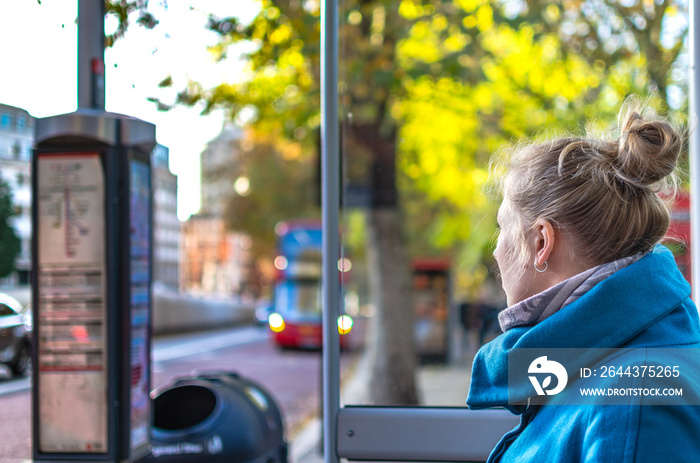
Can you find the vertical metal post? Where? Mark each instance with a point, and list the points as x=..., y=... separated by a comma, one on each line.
x=91, y=44
x=330, y=203
x=694, y=17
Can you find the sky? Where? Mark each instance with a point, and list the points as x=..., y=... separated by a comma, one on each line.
x=38, y=71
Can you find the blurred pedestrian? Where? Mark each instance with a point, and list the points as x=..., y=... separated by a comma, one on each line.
x=581, y=265
x=489, y=322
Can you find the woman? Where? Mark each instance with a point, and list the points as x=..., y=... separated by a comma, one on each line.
x=581, y=266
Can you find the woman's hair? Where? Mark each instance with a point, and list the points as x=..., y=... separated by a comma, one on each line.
x=601, y=191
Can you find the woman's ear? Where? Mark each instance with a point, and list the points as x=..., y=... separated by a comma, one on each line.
x=544, y=241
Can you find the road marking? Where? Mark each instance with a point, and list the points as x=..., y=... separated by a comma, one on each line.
x=15, y=385
x=171, y=349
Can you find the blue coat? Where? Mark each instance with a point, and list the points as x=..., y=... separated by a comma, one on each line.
x=642, y=306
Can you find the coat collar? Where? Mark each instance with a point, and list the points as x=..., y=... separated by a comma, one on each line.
x=608, y=316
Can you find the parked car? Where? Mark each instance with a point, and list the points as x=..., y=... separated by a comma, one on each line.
x=263, y=309
x=15, y=336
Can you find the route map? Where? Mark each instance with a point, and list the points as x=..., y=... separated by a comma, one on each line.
x=66, y=198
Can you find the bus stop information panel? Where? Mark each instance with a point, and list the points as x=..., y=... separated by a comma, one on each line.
x=72, y=351
x=92, y=242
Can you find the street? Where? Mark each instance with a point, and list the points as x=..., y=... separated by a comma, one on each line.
x=292, y=377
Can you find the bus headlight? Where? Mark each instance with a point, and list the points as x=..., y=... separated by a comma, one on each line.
x=344, y=324
x=276, y=322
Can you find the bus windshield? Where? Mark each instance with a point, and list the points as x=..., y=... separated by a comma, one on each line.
x=299, y=297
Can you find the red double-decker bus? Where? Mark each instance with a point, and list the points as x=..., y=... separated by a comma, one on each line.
x=296, y=319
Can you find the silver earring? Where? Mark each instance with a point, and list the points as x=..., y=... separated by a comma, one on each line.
x=546, y=265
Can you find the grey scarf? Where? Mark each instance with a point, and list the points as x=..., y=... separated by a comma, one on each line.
x=536, y=308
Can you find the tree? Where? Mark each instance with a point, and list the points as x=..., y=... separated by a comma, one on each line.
x=124, y=11
x=432, y=88
x=399, y=57
x=611, y=32
x=284, y=92
x=271, y=184
x=10, y=244
x=530, y=65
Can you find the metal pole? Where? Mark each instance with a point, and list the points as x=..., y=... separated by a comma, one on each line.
x=330, y=203
x=91, y=44
x=694, y=18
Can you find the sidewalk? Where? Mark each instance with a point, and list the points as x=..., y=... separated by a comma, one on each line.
x=438, y=385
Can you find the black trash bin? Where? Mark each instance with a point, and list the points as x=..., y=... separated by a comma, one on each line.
x=216, y=417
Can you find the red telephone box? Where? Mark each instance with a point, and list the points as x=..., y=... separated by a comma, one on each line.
x=678, y=236
x=431, y=293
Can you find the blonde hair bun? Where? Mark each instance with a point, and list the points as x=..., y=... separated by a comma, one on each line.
x=602, y=190
x=648, y=149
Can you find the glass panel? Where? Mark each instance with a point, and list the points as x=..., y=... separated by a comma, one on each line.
x=430, y=91
x=405, y=239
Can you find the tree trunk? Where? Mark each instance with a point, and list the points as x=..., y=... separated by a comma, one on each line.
x=391, y=343
x=390, y=347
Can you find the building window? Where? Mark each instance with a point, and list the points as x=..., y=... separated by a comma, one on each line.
x=21, y=124
x=20, y=179
x=5, y=121
x=16, y=150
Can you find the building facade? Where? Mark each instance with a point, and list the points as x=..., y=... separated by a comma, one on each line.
x=16, y=142
x=215, y=261
x=166, y=226
x=219, y=164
